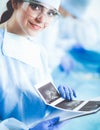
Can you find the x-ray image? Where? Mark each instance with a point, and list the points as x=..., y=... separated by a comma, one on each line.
x=49, y=92
x=50, y=95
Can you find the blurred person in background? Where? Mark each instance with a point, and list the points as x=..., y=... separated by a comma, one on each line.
x=75, y=28
x=80, y=65
x=82, y=31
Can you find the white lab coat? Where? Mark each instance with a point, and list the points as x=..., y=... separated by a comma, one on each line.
x=23, y=64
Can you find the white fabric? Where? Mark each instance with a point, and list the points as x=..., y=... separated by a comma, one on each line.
x=18, y=76
x=29, y=55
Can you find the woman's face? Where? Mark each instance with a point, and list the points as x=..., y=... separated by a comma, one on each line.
x=33, y=17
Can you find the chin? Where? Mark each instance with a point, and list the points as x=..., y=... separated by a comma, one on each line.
x=32, y=33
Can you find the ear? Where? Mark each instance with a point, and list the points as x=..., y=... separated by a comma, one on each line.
x=14, y=4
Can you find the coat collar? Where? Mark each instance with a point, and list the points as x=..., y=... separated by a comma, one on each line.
x=21, y=49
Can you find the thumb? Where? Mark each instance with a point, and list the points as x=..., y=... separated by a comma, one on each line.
x=53, y=121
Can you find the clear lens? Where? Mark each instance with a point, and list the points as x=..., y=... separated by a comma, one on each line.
x=38, y=8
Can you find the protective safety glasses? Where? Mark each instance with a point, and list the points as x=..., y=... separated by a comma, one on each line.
x=39, y=8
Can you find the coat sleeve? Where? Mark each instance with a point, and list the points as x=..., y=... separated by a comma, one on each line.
x=12, y=124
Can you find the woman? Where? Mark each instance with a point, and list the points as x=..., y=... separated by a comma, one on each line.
x=23, y=63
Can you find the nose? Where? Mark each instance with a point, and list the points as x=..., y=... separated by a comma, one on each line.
x=41, y=18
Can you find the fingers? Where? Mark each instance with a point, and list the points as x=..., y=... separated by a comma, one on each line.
x=66, y=92
x=46, y=125
x=62, y=91
x=74, y=93
x=53, y=121
x=70, y=93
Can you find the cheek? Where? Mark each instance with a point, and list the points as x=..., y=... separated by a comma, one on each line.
x=19, y=16
x=22, y=14
x=23, y=19
x=46, y=25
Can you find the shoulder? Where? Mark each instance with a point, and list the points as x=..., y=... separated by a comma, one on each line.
x=1, y=30
x=2, y=26
x=1, y=35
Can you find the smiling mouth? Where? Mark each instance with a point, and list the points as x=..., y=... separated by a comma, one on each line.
x=34, y=26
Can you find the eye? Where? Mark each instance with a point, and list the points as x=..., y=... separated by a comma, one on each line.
x=35, y=6
x=52, y=13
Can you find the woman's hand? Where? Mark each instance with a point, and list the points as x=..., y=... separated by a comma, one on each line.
x=51, y=124
x=66, y=92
